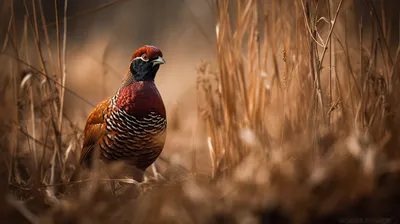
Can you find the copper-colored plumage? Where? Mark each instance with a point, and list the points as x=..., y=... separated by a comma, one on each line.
x=131, y=125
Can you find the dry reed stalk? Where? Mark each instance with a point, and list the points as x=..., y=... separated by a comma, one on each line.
x=44, y=101
x=263, y=116
x=240, y=84
x=64, y=65
x=14, y=144
x=64, y=76
x=47, y=40
x=237, y=101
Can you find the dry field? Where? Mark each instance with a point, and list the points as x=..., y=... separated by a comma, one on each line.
x=279, y=111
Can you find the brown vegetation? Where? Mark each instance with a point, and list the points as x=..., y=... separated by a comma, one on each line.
x=301, y=117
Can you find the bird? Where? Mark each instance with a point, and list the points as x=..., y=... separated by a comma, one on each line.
x=131, y=125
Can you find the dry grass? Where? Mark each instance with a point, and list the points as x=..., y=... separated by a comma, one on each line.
x=301, y=116
x=297, y=111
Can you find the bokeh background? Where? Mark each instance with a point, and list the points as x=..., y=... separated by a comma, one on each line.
x=102, y=35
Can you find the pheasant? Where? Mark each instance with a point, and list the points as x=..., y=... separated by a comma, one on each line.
x=131, y=125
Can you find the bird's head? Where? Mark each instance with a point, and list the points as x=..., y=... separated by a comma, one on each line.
x=145, y=63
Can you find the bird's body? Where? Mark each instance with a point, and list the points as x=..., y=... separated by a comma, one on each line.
x=131, y=125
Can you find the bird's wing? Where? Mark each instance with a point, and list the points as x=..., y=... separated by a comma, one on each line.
x=95, y=128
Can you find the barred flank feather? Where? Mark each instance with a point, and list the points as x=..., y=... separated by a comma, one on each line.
x=139, y=140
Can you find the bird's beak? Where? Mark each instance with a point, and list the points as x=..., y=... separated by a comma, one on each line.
x=158, y=61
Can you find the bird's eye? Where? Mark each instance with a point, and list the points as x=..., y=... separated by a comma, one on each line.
x=144, y=57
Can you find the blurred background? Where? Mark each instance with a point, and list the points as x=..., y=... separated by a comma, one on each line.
x=101, y=36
